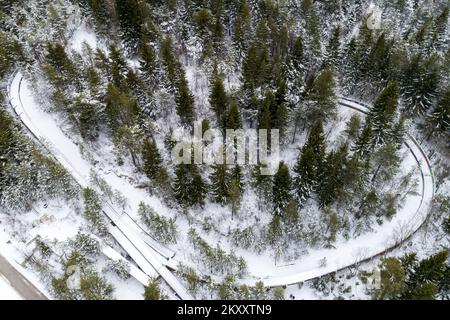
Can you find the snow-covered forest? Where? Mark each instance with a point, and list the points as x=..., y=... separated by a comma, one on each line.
x=94, y=95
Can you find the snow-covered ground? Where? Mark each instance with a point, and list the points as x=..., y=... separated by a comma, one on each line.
x=260, y=268
x=6, y=291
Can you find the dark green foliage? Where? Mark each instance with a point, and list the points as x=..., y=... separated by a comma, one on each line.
x=218, y=98
x=220, y=183
x=10, y=52
x=281, y=189
x=131, y=22
x=382, y=115
x=153, y=291
x=420, y=84
x=151, y=158
x=330, y=186
x=439, y=119
x=185, y=103
x=188, y=186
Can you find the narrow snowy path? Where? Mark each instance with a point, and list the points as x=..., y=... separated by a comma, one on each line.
x=149, y=255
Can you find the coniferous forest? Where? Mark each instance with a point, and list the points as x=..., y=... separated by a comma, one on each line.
x=348, y=193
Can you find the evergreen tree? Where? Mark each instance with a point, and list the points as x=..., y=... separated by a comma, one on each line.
x=382, y=115
x=262, y=185
x=363, y=145
x=220, y=183
x=151, y=158
x=323, y=97
x=198, y=188
x=153, y=291
x=330, y=186
x=305, y=175
x=281, y=189
x=185, y=103
x=242, y=27
x=148, y=63
x=218, y=98
x=419, y=85
x=353, y=128
x=237, y=175
x=233, y=118
x=333, y=49
x=181, y=186
x=131, y=23
x=439, y=119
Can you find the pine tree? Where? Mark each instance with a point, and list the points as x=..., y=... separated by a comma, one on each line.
x=198, y=188
x=242, y=28
x=237, y=175
x=420, y=84
x=250, y=68
x=220, y=183
x=264, y=116
x=117, y=65
x=305, y=175
x=353, y=128
x=153, y=291
x=333, y=49
x=281, y=189
x=262, y=185
x=148, y=63
x=235, y=196
x=363, y=145
x=316, y=141
x=131, y=23
x=439, y=119
x=218, y=98
x=181, y=186
x=330, y=186
x=382, y=114
x=173, y=68
x=151, y=158
x=185, y=103
x=233, y=118
x=323, y=97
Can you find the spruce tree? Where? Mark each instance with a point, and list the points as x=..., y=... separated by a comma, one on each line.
x=198, y=188
x=281, y=189
x=382, y=115
x=220, y=183
x=233, y=118
x=420, y=84
x=185, y=103
x=333, y=49
x=330, y=186
x=151, y=158
x=363, y=145
x=148, y=63
x=242, y=28
x=218, y=98
x=131, y=23
x=439, y=120
x=305, y=175
x=323, y=97
x=181, y=186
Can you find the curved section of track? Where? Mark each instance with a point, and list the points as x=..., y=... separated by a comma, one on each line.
x=364, y=248
x=151, y=257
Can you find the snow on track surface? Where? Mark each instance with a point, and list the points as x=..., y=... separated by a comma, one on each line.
x=383, y=239
x=151, y=257
x=6, y=290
